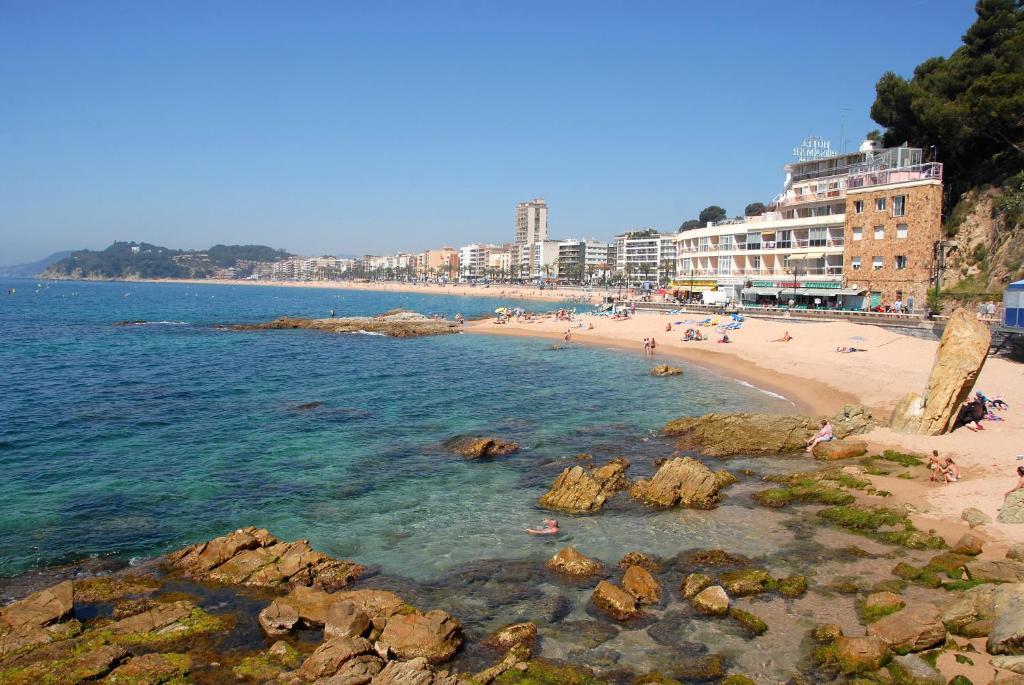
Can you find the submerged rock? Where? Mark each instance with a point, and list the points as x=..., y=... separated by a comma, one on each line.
x=579, y=490
x=152, y=668
x=913, y=629
x=570, y=562
x=712, y=600
x=644, y=561
x=480, y=447
x=396, y=325
x=911, y=669
x=751, y=622
x=683, y=482
x=745, y=582
x=694, y=583
x=511, y=635
x=860, y=653
x=666, y=370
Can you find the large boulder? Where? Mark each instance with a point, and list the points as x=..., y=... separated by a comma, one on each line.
x=840, y=449
x=666, y=370
x=641, y=584
x=435, y=635
x=512, y=635
x=683, y=482
x=345, y=619
x=1007, y=634
x=995, y=570
x=278, y=618
x=614, y=601
x=332, y=655
x=473, y=447
x=254, y=557
x=975, y=517
x=1013, y=508
x=970, y=544
x=858, y=653
x=570, y=562
x=41, y=608
x=913, y=629
x=694, y=583
x=579, y=490
x=412, y=672
x=969, y=608
x=958, y=361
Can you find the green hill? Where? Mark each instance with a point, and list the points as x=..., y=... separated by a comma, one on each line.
x=143, y=260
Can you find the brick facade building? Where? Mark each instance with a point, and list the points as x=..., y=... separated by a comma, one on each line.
x=890, y=234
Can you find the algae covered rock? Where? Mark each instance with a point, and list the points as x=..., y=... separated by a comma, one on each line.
x=792, y=586
x=694, y=583
x=751, y=622
x=858, y=654
x=913, y=629
x=151, y=668
x=508, y=636
x=910, y=669
x=745, y=582
x=644, y=561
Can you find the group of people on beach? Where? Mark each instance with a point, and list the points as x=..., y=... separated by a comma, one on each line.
x=943, y=471
x=977, y=409
x=649, y=345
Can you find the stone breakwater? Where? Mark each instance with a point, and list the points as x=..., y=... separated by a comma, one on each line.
x=392, y=324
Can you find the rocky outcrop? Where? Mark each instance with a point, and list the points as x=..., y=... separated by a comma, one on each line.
x=840, y=449
x=1007, y=634
x=579, y=490
x=1013, y=508
x=435, y=635
x=614, y=601
x=722, y=435
x=913, y=629
x=641, y=584
x=473, y=447
x=666, y=370
x=958, y=361
x=683, y=482
x=345, y=619
x=712, y=600
x=403, y=325
x=41, y=608
x=152, y=668
x=254, y=557
x=970, y=613
x=568, y=561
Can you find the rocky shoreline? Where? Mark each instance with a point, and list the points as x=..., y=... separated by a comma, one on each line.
x=248, y=607
x=395, y=324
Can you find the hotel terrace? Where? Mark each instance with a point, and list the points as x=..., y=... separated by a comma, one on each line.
x=801, y=250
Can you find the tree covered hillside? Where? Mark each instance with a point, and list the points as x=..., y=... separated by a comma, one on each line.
x=142, y=260
x=968, y=110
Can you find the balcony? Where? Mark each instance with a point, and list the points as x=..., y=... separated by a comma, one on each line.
x=932, y=171
x=827, y=271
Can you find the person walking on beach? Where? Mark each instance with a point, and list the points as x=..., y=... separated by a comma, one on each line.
x=823, y=435
x=567, y=336
x=653, y=345
x=647, y=346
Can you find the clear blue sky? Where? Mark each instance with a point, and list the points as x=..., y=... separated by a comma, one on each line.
x=334, y=127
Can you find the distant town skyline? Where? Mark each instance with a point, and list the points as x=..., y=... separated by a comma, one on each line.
x=367, y=128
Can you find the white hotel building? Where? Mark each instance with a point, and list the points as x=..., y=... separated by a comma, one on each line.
x=796, y=247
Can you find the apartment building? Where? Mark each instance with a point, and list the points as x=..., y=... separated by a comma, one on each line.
x=583, y=260
x=531, y=221
x=800, y=250
x=645, y=255
x=442, y=263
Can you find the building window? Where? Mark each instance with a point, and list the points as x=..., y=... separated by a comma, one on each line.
x=899, y=205
x=879, y=232
x=901, y=230
x=901, y=262
x=858, y=207
x=877, y=263
x=755, y=262
x=858, y=232
x=817, y=237
x=855, y=263
x=880, y=204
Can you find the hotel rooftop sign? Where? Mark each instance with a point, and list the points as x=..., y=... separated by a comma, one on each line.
x=814, y=147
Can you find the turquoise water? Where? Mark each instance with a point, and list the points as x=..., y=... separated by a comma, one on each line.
x=131, y=441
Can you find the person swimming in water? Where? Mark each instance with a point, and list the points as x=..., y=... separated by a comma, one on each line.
x=550, y=528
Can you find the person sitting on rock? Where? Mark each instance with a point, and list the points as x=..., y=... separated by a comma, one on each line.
x=823, y=435
x=550, y=528
x=1019, y=485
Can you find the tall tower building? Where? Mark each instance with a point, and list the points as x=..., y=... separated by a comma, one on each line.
x=531, y=222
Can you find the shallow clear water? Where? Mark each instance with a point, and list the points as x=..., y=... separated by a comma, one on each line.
x=134, y=440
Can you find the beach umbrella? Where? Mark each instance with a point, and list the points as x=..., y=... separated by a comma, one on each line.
x=499, y=310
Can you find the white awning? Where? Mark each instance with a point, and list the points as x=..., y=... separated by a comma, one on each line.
x=770, y=292
x=804, y=257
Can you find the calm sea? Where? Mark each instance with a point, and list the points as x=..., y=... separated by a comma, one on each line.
x=131, y=441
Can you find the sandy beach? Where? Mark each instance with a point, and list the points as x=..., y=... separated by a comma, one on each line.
x=807, y=371
x=514, y=292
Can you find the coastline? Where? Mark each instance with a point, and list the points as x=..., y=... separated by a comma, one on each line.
x=809, y=373
x=455, y=289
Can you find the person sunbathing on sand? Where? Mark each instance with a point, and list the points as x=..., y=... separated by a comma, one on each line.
x=847, y=350
x=786, y=337
x=550, y=528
